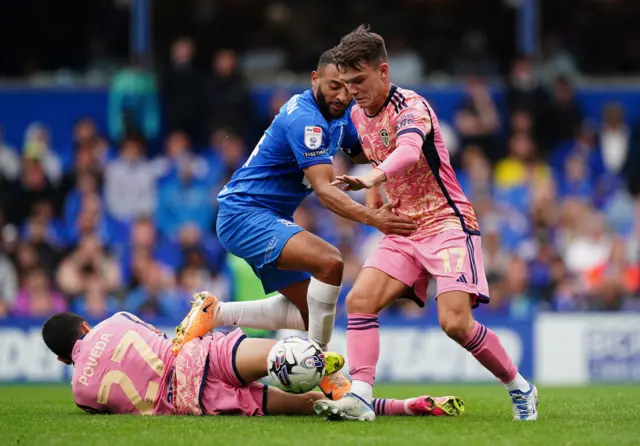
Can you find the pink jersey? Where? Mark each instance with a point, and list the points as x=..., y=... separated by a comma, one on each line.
x=428, y=192
x=123, y=365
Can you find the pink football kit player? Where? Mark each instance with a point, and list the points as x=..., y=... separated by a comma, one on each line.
x=126, y=366
x=400, y=136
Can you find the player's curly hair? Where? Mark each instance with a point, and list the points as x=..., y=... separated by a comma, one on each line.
x=358, y=47
x=60, y=332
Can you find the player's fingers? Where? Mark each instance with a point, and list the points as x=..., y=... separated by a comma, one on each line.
x=337, y=182
x=394, y=203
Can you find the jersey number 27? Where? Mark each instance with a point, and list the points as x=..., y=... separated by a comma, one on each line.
x=116, y=377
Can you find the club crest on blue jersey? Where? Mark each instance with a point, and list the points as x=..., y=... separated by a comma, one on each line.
x=312, y=137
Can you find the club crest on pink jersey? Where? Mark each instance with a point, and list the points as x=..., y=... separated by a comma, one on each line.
x=385, y=137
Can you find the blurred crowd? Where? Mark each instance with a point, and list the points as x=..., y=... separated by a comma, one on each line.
x=125, y=219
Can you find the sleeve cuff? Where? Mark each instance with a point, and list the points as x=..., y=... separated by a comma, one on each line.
x=411, y=130
x=315, y=162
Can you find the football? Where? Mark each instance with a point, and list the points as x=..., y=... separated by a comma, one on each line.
x=296, y=364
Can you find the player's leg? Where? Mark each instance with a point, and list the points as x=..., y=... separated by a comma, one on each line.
x=426, y=405
x=272, y=313
x=307, y=252
x=250, y=364
x=250, y=358
x=462, y=284
x=281, y=403
x=372, y=291
x=258, y=238
x=301, y=266
x=387, y=276
x=235, y=363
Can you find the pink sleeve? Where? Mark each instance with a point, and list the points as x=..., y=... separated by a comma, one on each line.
x=407, y=153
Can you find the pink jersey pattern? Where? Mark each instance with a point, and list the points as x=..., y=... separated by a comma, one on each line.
x=190, y=371
x=428, y=192
x=123, y=365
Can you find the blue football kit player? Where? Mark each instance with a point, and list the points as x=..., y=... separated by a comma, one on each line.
x=255, y=219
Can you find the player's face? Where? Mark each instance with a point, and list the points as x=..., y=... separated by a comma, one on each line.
x=368, y=85
x=330, y=92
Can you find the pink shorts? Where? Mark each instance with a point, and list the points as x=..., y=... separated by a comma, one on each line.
x=206, y=380
x=453, y=258
x=224, y=392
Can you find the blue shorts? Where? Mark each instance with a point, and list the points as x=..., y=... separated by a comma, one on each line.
x=258, y=237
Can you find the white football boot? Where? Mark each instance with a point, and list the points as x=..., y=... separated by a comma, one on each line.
x=525, y=404
x=351, y=407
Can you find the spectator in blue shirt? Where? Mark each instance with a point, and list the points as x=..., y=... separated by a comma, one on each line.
x=184, y=200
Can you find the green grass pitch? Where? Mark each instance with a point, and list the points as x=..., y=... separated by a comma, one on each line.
x=602, y=415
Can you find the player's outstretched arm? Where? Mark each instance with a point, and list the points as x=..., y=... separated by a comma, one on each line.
x=321, y=176
x=403, y=158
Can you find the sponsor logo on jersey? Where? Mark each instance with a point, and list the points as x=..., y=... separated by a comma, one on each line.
x=406, y=122
x=315, y=153
x=385, y=136
x=312, y=137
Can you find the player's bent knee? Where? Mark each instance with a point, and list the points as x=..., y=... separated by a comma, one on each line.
x=456, y=324
x=361, y=301
x=330, y=266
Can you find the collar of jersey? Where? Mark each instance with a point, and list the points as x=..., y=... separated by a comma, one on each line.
x=392, y=91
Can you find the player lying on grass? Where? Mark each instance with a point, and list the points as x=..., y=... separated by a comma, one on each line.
x=126, y=366
x=400, y=135
x=255, y=219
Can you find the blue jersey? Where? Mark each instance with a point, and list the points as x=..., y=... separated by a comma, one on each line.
x=272, y=177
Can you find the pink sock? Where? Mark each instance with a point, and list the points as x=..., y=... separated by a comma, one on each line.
x=363, y=346
x=486, y=347
x=383, y=406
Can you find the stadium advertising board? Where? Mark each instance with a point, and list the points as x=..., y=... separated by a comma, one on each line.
x=410, y=351
x=579, y=349
x=553, y=349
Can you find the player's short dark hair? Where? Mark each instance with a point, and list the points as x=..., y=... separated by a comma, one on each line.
x=358, y=47
x=60, y=332
x=326, y=59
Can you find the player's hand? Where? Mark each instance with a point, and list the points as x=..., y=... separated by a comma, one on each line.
x=389, y=222
x=348, y=182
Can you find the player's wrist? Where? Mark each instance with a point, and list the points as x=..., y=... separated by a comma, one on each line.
x=369, y=216
x=378, y=176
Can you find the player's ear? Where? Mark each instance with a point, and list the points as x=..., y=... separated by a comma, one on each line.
x=85, y=327
x=384, y=70
x=314, y=78
x=64, y=361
